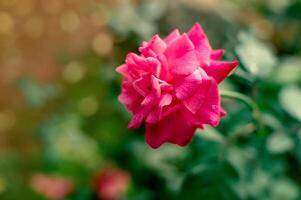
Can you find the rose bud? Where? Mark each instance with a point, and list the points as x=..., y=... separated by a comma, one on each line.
x=112, y=184
x=51, y=187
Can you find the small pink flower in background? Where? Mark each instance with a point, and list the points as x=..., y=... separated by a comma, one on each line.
x=172, y=86
x=112, y=184
x=51, y=187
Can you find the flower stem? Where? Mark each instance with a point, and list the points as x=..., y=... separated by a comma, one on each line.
x=247, y=100
x=235, y=95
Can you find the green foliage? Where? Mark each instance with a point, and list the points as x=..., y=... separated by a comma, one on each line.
x=255, y=56
x=290, y=98
x=64, y=139
x=36, y=95
x=210, y=182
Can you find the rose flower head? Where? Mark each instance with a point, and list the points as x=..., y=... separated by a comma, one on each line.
x=112, y=183
x=52, y=187
x=172, y=86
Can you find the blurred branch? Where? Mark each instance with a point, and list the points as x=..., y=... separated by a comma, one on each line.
x=248, y=101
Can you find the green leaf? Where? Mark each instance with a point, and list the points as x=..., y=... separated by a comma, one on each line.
x=284, y=189
x=161, y=160
x=240, y=158
x=258, y=183
x=279, y=6
x=152, y=10
x=66, y=142
x=211, y=182
x=36, y=95
x=279, y=143
x=256, y=56
x=290, y=98
x=126, y=19
x=289, y=71
x=210, y=134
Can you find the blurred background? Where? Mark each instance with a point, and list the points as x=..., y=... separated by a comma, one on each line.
x=63, y=133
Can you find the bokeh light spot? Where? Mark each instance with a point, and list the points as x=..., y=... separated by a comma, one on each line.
x=70, y=22
x=102, y=44
x=7, y=120
x=6, y=23
x=88, y=106
x=3, y=185
x=74, y=72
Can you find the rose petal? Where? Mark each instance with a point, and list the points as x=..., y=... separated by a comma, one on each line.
x=222, y=112
x=129, y=96
x=156, y=114
x=217, y=54
x=219, y=70
x=181, y=57
x=186, y=87
x=156, y=46
x=183, y=135
x=164, y=72
x=137, y=65
x=175, y=34
x=158, y=133
x=139, y=117
x=142, y=85
x=179, y=47
x=205, y=109
x=123, y=70
x=165, y=100
x=205, y=90
x=201, y=43
x=184, y=65
x=174, y=129
x=198, y=37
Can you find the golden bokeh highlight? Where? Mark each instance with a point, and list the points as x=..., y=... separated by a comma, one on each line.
x=6, y=23
x=3, y=185
x=32, y=35
x=70, y=22
x=7, y=120
x=103, y=44
x=88, y=106
x=74, y=72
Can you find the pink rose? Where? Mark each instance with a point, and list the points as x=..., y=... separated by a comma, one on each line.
x=172, y=86
x=51, y=187
x=112, y=184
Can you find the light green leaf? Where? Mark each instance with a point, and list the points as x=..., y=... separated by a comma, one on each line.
x=67, y=142
x=259, y=183
x=161, y=160
x=212, y=182
x=255, y=55
x=284, y=189
x=210, y=134
x=279, y=143
x=289, y=71
x=153, y=10
x=36, y=95
x=290, y=99
x=126, y=19
x=279, y=5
